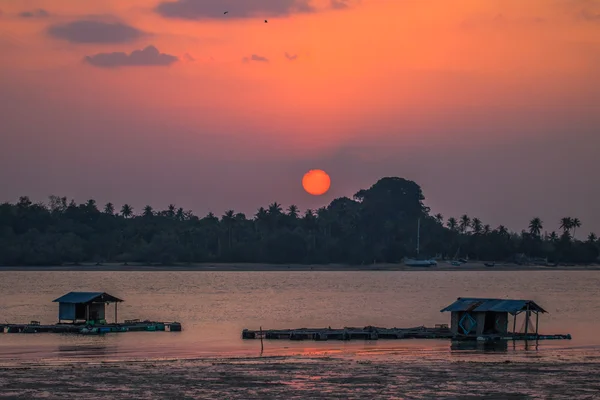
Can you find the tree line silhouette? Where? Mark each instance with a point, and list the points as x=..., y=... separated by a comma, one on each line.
x=378, y=225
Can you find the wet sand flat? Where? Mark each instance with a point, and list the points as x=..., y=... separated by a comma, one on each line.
x=303, y=378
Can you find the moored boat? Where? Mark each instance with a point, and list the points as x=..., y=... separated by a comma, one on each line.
x=409, y=262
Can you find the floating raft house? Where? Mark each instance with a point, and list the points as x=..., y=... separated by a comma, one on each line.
x=85, y=313
x=470, y=319
x=85, y=306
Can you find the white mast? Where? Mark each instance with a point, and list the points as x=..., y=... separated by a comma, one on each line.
x=418, y=234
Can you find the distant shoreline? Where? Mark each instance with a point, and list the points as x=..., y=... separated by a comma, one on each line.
x=246, y=267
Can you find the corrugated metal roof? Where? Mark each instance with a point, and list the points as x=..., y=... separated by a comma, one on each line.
x=494, y=305
x=86, y=297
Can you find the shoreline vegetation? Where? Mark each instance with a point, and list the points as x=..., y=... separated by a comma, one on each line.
x=249, y=267
x=376, y=229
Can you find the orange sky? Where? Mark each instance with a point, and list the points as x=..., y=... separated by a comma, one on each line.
x=475, y=100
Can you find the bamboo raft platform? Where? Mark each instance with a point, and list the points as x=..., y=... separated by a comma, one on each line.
x=350, y=333
x=97, y=329
x=376, y=333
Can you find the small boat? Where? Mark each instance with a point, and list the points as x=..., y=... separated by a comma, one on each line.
x=490, y=264
x=419, y=263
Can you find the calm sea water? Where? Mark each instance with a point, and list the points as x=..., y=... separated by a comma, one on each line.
x=214, y=307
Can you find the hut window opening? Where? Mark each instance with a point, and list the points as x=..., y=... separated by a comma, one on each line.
x=467, y=324
x=490, y=324
x=80, y=311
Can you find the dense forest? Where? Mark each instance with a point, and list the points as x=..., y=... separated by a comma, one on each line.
x=378, y=225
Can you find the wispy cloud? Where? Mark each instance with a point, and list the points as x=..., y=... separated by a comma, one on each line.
x=500, y=21
x=39, y=13
x=90, y=31
x=211, y=9
x=255, y=57
x=150, y=56
x=339, y=4
x=588, y=15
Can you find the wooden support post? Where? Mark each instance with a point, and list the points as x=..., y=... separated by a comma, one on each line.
x=116, y=315
x=87, y=312
x=537, y=335
x=261, y=342
x=515, y=324
x=527, y=314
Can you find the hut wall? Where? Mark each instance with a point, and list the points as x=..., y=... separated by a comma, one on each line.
x=480, y=318
x=492, y=322
x=500, y=321
x=455, y=322
x=77, y=312
x=66, y=312
x=454, y=319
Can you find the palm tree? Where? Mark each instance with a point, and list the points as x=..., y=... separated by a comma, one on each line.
x=565, y=237
x=323, y=220
x=148, y=212
x=439, y=218
x=24, y=202
x=90, y=205
x=262, y=219
x=171, y=211
x=211, y=217
x=228, y=219
x=293, y=211
x=576, y=223
x=452, y=224
x=465, y=223
x=180, y=214
x=275, y=208
x=502, y=231
x=553, y=236
x=127, y=211
x=274, y=211
x=240, y=217
x=261, y=214
x=309, y=219
x=487, y=229
x=57, y=204
x=109, y=209
x=592, y=237
x=310, y=224
x=566, y=223
x=535, y=227
x=477, y=226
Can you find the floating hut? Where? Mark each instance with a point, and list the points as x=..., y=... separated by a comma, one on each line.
x=475, y=317
x=85, y=306
x=85, y=313
x=470, y=319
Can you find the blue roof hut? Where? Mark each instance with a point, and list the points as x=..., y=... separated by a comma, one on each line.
x=476, y=317
x=85, y=306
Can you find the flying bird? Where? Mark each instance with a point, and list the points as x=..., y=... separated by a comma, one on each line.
x=226, y=12
x=266, y=21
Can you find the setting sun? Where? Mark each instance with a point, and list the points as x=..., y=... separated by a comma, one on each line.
x=316, y=182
